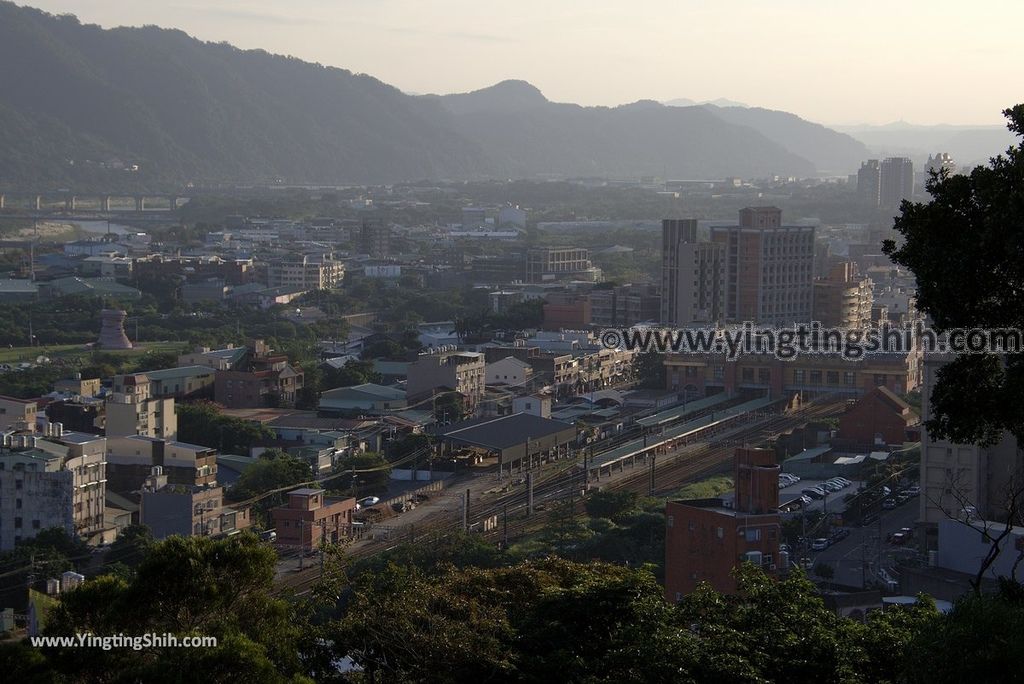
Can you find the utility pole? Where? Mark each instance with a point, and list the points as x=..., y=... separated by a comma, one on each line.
x=529, y=493
x=302, y=545
x=323, y=542
x=465, y=511
x=651, y=492
x=504, y=521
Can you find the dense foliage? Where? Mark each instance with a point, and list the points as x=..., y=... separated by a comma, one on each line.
x=973, y=225
x=460, y=610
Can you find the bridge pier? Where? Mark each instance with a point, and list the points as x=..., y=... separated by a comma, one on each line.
x=140, y=204
x=38, y=202
x=3, y=201
x=70, y=202
x=105, y=203
x=173, y=202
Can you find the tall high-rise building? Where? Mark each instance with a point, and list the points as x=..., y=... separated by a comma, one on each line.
x=374, y=237
x=957, y=476
x=692, y=275
x=896, y=182
x=769, y=268
x=942, y=161
x=869, y=182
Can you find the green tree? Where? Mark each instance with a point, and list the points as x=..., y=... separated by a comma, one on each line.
x=202, y=423
x=131, y=546
x=226, y=593
x=649, y=368
x=973, y=225
x=610, y=504
x=273, y=470
x=981, y=640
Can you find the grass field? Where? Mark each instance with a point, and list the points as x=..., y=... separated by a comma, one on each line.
x=70, y=351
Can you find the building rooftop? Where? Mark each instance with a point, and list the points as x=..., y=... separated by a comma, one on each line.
x=367, y=389
x=180, y=372
x=504, y=432
x=306, y=491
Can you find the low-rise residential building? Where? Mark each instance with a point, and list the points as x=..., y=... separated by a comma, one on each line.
x=310, y=518
x=132, y=410
x=78, y=386
x=17, y=413
x=566, y=311
x=509, y=371
x=54, y=480
x=130, y=460
x=368, y=398
x=843, y=299
x=260, y=379
x=309, y=272
x=182, y=382
x=217, y=359
x=624, y=305
x=549, y=264
x=464, y=372
x=707, y=538
x=188, y=510
x=532, y=404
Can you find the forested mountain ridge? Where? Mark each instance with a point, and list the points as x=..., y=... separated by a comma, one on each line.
x=78, y=103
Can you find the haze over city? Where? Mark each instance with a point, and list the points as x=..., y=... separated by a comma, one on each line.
x=358, y=341
x=842, y=62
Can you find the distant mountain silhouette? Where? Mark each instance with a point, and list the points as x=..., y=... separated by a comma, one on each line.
x=968, y=144
x=78, y=101
x=525, y=134
x=719, y=102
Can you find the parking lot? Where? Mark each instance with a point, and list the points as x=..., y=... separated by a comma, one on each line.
x=856, y=558
x=831, y=503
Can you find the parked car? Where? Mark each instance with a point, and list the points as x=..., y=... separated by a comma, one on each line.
x=897, y=538
x=369, y=501
x=889, y=504
x=814, y=493
x=914, y=490
x=902, y=498
x=840, y=534
x=829, y=486
x=819, y=544
x=784, y=548
x=806, y=500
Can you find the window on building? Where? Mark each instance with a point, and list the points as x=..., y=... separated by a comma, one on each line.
x=721, y=533
x=799, y=376
x=849, y=378
x=832, y=377
x=764, y=375
x=753, y=534
x=879, y=380
x=17, y=523
x=815, y=377
x=748, y=375
x=719, y=372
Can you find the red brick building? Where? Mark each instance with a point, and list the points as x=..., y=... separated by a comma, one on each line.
x=309, y=518
x=706, y=538
x=880, y=417
x=566, y=312
x=809, y=374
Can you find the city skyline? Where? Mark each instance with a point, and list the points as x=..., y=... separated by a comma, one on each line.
x=884, y=60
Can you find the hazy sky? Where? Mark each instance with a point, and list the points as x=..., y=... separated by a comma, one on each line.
x=833, y=61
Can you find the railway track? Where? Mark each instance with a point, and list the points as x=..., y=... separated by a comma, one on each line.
x=508, y=513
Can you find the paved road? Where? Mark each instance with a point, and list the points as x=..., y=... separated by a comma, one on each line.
x=848, y=556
